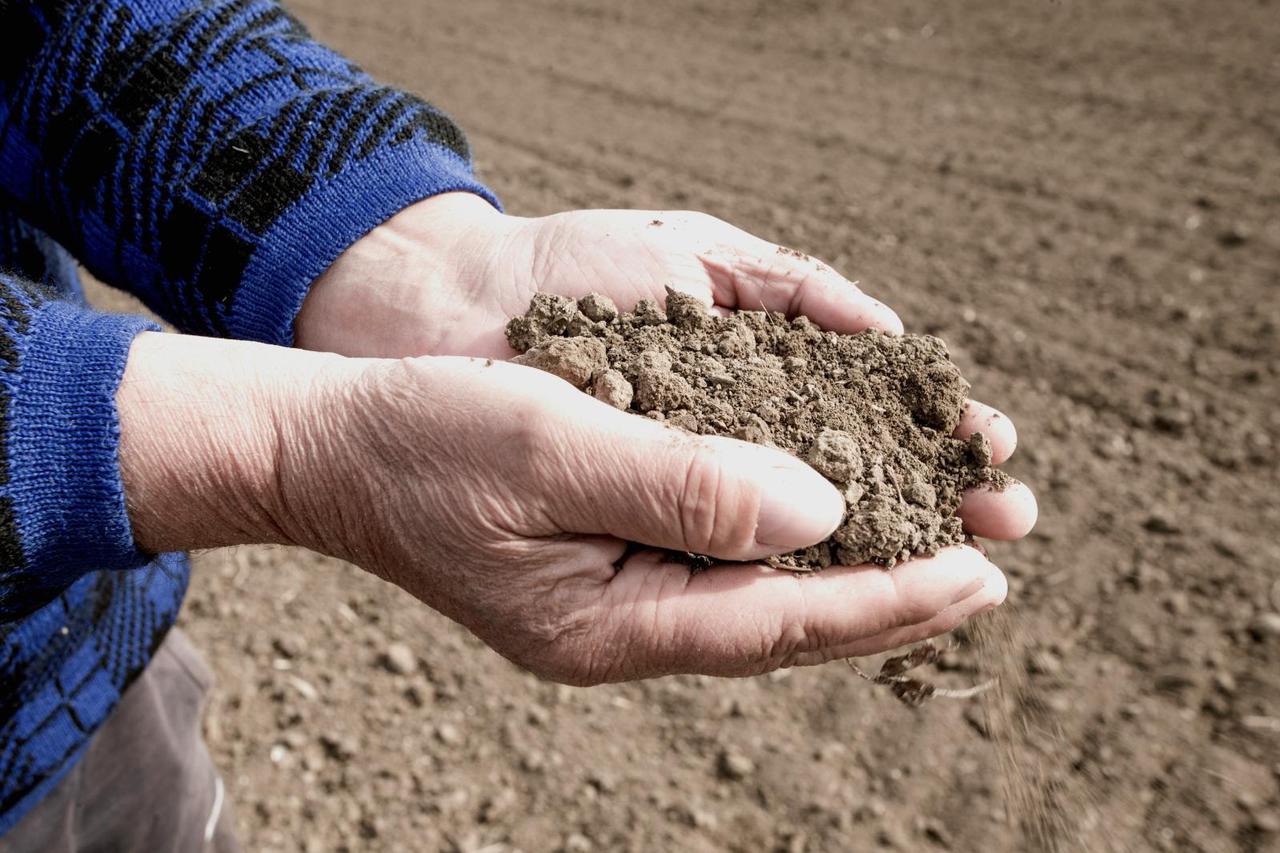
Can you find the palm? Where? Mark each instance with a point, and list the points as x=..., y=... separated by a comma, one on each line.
x=632, y=255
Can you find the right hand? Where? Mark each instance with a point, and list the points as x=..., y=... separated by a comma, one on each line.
x=505, y=498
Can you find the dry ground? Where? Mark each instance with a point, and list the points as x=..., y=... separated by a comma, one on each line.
x=1083, y=199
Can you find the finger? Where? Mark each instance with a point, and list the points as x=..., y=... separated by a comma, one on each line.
x=994, y=424
x=740, y=620
x=752, y=274
x=1005, y=515
x=633, y=478
x=944, y=622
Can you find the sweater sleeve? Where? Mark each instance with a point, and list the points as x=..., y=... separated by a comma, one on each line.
x=62, y=509
x=207, y=154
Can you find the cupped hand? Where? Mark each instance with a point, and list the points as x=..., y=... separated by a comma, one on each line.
x=508, y=500
x=444, y=276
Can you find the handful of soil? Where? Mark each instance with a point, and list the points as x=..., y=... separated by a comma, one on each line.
x=873, y=413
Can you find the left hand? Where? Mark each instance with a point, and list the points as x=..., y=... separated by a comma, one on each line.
x=445, y=275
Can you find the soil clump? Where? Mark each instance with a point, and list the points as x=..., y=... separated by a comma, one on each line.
x=873, y=413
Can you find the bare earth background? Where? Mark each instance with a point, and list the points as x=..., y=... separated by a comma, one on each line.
x=1083, y=199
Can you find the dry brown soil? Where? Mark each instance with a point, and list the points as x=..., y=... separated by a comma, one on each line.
x=1082, y=199
x=873, y=413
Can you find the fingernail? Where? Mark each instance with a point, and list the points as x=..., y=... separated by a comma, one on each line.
x=877, y=315
x=885, y=318
x=798, y=508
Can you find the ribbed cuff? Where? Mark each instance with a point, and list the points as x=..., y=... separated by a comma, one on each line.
x=311, y=235
x=64, y=437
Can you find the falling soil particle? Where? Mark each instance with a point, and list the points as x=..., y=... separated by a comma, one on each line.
x=873, y=413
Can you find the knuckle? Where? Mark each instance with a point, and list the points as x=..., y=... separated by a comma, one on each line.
x=789, y=644
x=698, y=222
x=528, y=429
x=911, y=609
x=533, y=437
x=796, y=636
x=697, y=501
x=710, y=504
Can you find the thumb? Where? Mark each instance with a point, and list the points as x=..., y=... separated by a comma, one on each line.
x=635, y=479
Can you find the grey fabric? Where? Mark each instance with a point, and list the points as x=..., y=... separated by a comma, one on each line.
x=145, y=782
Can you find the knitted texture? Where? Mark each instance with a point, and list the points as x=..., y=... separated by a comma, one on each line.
x=61, y=503
x=206, y=154
x=211, y=158
x=81, y=610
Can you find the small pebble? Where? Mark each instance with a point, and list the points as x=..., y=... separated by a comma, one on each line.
x=1233, y=236
x=734, y=765
x=498, y=806
x=400, y=659
x=1267, y=822
x=576, y=842
x=287, y=645
x=1265, y=626
x=1161, y=521
x=338, y=746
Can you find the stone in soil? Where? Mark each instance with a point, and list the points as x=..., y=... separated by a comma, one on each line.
x=873, y=413
x=400, y=659
x=734, y=765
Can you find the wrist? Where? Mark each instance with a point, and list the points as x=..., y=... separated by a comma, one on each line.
x=202, y=427
x=373, y=301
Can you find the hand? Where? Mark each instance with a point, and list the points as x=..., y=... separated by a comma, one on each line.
x=444, y=276
x=505, y=498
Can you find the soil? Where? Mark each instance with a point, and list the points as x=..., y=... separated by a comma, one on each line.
x=872, y=413
x=1081, y=199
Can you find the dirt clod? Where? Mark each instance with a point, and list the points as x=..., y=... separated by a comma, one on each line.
x=575, y=360
x=613, y=388
x=872, y=413
x=598, y=308
x=835, y=455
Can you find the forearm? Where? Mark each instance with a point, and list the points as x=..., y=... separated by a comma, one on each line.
x=206, y=429
x=217, y=159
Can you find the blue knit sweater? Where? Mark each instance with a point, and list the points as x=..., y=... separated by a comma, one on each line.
x=209, y=157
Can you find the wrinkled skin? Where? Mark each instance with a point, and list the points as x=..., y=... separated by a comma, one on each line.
x=506, y=499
